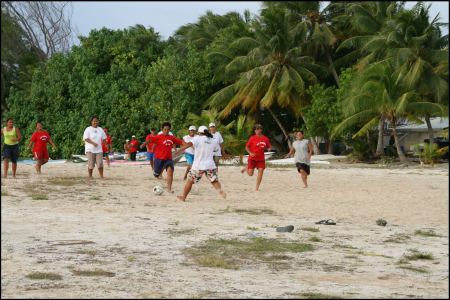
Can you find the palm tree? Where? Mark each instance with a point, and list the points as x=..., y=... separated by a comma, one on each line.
x=380, y=93
x=235, y=143
x=308, y=17
x=274, y=71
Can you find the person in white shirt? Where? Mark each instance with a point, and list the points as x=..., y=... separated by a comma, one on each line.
x=204, y=148
x=189, y=152
x=218, y=137
x=93, y=137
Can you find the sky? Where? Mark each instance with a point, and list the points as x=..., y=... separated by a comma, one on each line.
x=166, y=17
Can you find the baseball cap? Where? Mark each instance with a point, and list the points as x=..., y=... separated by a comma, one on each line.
x=202, y=129
x=133, y=136
x=192, y=127
x=127, y=140
x=212, y=124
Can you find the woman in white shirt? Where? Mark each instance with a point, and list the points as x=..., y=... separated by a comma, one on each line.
x=204, y=147
x=189, y=152
x=93, y=137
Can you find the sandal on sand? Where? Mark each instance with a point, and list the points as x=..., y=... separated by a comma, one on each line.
x=326, y=222
x=288, y=228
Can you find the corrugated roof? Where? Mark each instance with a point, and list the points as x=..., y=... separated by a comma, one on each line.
x=436, y=123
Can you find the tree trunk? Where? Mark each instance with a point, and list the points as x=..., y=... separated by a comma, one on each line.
x=330, y=62
x=430, y=129
x=400, y=153
x=330, y=146
x=286, y=136
x=380, y=145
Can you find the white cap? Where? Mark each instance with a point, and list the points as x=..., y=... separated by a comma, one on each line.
x=212, y=124
x=202, y=129
x=133, y=136
x=192, y=127
x=127, y=140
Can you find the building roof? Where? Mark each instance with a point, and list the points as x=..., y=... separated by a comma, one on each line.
x=437, y=124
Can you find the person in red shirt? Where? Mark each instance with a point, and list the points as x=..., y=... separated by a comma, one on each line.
x=255, y=147
x=162, y=159
x=134, y=144
x=40, y=138
x=150, y=146
x=107, y=146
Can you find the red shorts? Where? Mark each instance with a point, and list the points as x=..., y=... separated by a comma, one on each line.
x=41, y=155
x=258, y=164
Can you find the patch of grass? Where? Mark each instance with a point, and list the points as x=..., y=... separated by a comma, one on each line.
x=92, y=273
x=250, y=211
x=66, y=181
x=313, y=295
x=381, y=222
x=223, y=253
x=398, y=238
x=314, y=239
x=95, y=198
x=88, y=252
x=311, y=229
x=415, y=269
x=419, y=256
x=5, y=193
x=44, y=276
x=131, y=258
x=71, y=242
x=429, y=233
x=252, y=228
x=176, y=223
x=178, y=232
x=39, y=197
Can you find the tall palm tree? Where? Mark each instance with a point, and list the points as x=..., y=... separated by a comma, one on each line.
x=317, y=24
x=274, y=71
x=380, y=92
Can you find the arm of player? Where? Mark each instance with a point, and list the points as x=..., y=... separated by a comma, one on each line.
x=183, y=147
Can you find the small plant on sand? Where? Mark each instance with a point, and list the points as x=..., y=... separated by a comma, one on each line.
x=314, y=239
x=415, y=269
x=428, y=233
x=311, y=229
x=397, y=238
x=131, y=258
x=44, y=276
x=310, y=295
x=381, y=222
x=39, y=197
x=252, y=228
x=92, y=273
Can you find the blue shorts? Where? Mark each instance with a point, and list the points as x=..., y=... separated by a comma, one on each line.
x=149, y=155
x=11, y=152
x=189, y=158
x=161, y=164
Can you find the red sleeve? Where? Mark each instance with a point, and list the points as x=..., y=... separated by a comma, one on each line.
x=249, y=142
x=148, y=137
x=33, y=138
x=177, y=140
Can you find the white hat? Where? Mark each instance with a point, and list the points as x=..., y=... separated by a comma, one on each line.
x=202, y=129
x=133, y=136
x=127, y=140
x=212, y=124
x=192, y=127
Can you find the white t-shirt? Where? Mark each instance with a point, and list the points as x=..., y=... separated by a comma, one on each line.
x=97, y=135
x=187, y=139
x=204, y=149
x=218, y=137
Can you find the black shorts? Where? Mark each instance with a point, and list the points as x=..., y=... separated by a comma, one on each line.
x=160, y=164
x=11, y=152
x=106, y=154
x=303, y=167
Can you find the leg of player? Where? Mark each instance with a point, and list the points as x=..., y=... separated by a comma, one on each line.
x=259, y=178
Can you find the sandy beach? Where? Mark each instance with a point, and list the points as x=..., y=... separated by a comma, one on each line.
x=114, y=238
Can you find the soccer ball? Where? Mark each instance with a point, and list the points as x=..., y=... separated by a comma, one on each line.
x=158, y=190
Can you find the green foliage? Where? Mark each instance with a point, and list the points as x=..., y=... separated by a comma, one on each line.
x=241, y=129
x=430, y=153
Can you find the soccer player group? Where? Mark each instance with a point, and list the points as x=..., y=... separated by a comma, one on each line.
x=202, y=150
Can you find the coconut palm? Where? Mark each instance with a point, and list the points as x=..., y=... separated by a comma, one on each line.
x=380, y=92
x=308, y=17
x=274, y=72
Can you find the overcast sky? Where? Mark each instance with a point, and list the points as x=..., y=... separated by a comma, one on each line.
x=166, y=17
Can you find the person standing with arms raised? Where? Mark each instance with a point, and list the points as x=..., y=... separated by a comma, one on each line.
x=255, y=147
x=93, y=137
x=11, y=138
x=219, y=139
x=40, y=138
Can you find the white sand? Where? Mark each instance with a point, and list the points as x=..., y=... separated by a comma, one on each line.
x=130, y=228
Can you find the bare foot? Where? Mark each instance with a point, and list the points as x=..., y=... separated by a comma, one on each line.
x=305, y=186
x=243, y=170
x=170, y=191
x=223, y=194
x=181, y=198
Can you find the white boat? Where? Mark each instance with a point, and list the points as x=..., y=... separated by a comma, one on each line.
x=235, y=159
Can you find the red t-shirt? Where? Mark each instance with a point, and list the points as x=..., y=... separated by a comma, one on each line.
x=164, y=145
x=151, y=144
x=107, y=142
x=40, y=140
x=133, y=146
x=257, y=144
